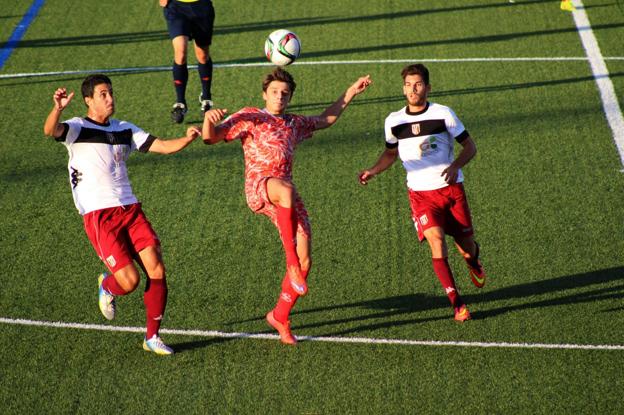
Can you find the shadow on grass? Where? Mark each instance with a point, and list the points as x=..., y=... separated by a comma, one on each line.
x=583, y=288
x=198, y=344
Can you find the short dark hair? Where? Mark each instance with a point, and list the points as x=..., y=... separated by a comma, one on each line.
x=91, y=81
x=281, y=75
x=416, y=69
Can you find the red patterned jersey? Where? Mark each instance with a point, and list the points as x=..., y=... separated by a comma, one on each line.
x=269, y=143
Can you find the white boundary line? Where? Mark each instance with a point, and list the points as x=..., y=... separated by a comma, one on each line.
x=599, y=69
x=301, y=63
x=352, y=340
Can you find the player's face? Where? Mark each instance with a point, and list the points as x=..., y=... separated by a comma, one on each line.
x=102, y=104
x=415, y=90
x=277, y=97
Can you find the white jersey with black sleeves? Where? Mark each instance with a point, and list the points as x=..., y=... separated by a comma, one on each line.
x=425, y=140
x=97, y=161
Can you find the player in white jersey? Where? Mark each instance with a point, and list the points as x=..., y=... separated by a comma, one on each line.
x=98, y=148
x=423, y=134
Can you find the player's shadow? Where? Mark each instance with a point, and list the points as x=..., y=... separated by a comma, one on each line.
x=494, y=38
x=582, y=288
x=198, y=344
x=328, y=20
x=380, y=313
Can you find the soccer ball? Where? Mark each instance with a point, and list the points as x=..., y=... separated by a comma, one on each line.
x=282, y=47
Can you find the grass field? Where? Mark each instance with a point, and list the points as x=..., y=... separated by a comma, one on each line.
x=546, y=192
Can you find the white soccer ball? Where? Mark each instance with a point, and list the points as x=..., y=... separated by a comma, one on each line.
x=282, y=47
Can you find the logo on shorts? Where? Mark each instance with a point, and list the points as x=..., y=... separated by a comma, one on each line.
x=416, y=128
x=111, y=261
x=423, y=220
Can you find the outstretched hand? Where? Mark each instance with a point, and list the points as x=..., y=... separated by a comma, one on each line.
x=61, y=99
x=215, y=115
x=193, y=132
x=361, y=84
x=364, y=176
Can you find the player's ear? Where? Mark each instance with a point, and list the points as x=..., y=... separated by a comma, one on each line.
x=87, y=101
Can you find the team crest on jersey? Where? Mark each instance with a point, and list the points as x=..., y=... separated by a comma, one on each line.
x=111, y=261
x=416, y=128
x=423, y=220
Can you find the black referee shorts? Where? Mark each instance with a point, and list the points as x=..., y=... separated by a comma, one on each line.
x=195, y=20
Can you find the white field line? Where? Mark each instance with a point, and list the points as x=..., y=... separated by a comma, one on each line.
x=599, y=69
x=144, y=69
x=348, y=340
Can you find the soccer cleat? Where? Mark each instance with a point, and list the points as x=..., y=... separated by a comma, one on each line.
x=297, y=282
x=178, y=112
x=567, y=6
x=205, y=105
x=462, y=313
x=477, y=274
x=106, y=300
x=283, y=329
x=156, y=345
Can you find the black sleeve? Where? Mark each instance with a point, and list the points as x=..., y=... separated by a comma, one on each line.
x=392, y=145
x=147, y=144
x=464, y=135
x=63, y=136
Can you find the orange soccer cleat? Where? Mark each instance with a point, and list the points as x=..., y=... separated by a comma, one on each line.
x=477, y=274
x=283, y=329
x=462, y=314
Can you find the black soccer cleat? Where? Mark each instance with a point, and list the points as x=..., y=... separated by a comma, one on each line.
x=205, y=105
x=178, y=112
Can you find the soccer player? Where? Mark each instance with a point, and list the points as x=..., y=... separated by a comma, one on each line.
x=269, y=137
x=567, y=6
x=190, y=19
x=422, y=134
x=118, y=229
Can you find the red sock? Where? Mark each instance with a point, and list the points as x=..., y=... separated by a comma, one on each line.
x=287, y=299
x=287, y=226
x=155, y=300
x=445, y=275
x=111, y=285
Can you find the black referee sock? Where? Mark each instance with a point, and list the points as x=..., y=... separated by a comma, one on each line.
x=205, y=76
x=180, y=79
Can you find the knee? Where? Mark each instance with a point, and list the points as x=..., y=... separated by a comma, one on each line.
x=157, y=272
x=128, y=280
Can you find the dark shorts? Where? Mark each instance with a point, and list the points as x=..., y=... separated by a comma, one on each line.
x=194, y=20
x=118, y=234
x=446, y=208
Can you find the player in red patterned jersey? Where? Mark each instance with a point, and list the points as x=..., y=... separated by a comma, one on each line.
x=269, y=137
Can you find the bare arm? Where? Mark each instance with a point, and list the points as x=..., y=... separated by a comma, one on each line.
x=211, y=133
x=469, y=149
x=333, y=112
x=387, y=159
x=175, y=144
x=52, y=127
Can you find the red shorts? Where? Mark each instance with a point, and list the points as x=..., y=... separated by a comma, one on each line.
x=119, y=233
x=446, y=208
x=261, y=198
